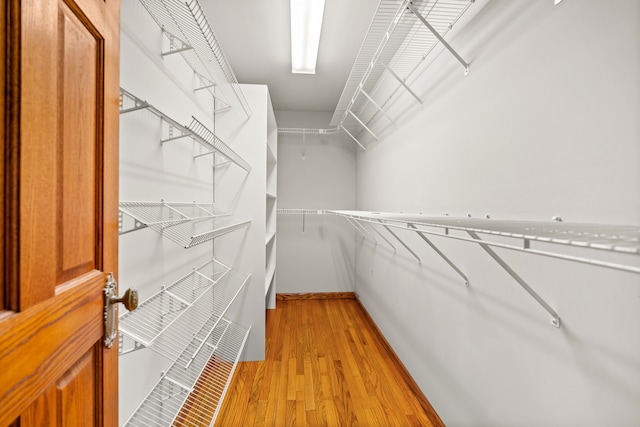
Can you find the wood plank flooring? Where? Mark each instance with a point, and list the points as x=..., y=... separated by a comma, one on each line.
x=326, y=365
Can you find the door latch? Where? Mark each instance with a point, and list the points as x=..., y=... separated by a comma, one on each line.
x=130, y=301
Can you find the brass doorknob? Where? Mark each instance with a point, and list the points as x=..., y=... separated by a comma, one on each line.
x=129, y=299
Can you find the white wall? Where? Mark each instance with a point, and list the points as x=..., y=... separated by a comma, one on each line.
x=317, y=173
x=545, y=124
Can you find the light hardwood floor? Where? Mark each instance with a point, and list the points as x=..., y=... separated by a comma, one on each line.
x=326, y=365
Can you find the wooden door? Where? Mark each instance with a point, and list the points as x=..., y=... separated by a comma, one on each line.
x=58, y=210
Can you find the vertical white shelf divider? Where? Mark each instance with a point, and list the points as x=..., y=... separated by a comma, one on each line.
x=272, y=206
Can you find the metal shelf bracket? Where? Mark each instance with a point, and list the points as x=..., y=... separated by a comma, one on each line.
x=555, y=319
x=400, y=240
x=171, y=136
x=402, y=82
x=127, y=223
x=129, y=103
x=122, y=351
x=442, y=255
x=361, y=230
x=383, y=236
x=353, y=137
x=176, y=45
x=438, y=36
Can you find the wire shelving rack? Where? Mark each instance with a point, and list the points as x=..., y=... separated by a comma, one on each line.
x=190, y=35
x=187, y=224
x=163, y=321
x=185, y=322
x=623, y=240
x=614, y=238
x=181, y=397
x=194, y=130
x=400, y=38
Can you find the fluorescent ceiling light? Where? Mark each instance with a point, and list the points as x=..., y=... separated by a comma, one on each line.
x=306, y=24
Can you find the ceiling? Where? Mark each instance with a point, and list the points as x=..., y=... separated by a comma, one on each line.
x=254, y=35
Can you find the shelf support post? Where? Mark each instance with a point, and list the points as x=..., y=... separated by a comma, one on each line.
x=442, y=255
x=397, y=77
x=412, y=8
x=555, y=319
x=401, y=242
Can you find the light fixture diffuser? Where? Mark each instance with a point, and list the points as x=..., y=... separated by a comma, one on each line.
x=306, y=24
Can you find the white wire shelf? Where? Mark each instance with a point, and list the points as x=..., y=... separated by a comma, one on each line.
x=400, y=38
x=306, y=131
x=615, y=238
x=192, y=37
x=192, y=390
x=287, y=211
x=195, y=130
x=165, y=322
x=187, y=224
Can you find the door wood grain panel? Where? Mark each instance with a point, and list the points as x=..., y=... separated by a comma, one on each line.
x=42, y=412
x=76, y=394
x=79, y=147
